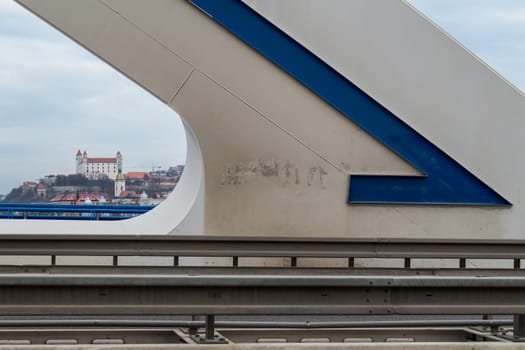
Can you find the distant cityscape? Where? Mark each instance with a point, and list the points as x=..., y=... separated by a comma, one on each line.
x=99, y=180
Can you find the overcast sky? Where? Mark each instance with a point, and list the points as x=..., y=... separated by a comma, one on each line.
x=494, y=30
x=56, y=98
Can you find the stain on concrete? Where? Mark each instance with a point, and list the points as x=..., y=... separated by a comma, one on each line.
x=239, y=174
x=322, y=174
x=284, y=172
x=287, y=171
x=346, y=167
x=269, y=168
x=316, y=176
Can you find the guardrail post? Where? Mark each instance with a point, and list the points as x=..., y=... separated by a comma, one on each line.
x=175, y=261
x=351, y=262
x=235, y=261
x=493, y=328
x=517, y=263
x=462, y=263
x=210, y=327
x=293, y=261
x=209, y=333
x=193, y=331
x=519, y=327
x=407, y=263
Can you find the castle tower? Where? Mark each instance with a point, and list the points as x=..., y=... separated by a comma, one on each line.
x=83, y=167
x=81, y=160
x=78, y=162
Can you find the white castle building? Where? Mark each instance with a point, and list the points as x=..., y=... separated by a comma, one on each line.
x=95, y=168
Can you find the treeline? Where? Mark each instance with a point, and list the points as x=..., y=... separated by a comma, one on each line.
x=81, y=180
x=21, y=195
x=29, y=194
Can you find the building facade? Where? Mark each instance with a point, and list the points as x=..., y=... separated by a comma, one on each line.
x=96, y=168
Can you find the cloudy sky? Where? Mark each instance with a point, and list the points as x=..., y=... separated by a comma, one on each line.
x=56, y=98
x=494, y=30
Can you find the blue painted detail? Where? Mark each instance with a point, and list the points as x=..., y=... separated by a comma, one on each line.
x=445, y=181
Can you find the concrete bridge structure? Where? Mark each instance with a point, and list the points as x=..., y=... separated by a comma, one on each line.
x=351, y=124
x=356, y=119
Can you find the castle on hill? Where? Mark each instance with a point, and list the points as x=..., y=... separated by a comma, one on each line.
x=96, y=168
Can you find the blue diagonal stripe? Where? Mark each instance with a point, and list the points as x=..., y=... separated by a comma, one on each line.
x=445, y=181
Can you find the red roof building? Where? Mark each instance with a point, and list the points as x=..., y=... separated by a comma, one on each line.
x=137, y=175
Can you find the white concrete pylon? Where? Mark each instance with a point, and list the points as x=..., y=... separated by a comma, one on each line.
x=268, y=155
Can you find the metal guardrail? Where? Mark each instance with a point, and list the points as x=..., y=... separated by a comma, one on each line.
x=70, y=211
x=233, y=246
x=111, y=294
x=239, y=290
x=126, y=322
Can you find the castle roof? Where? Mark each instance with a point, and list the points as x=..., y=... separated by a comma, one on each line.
x=102, y=160
x=79, y=153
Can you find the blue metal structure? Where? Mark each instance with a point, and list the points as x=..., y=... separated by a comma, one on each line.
x=444, y=180
x=70, y=211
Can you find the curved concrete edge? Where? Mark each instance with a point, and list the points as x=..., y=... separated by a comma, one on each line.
x=183, y=210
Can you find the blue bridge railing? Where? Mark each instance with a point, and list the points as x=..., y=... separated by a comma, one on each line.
x=71, y=211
